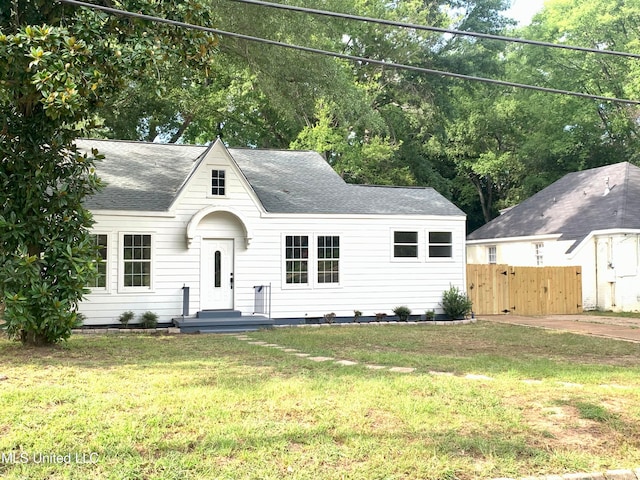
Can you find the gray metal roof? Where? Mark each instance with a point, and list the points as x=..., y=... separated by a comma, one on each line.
x=574, y=206
x=148, y=176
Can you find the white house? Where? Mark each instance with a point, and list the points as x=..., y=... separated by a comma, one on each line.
x=589, y=219
x=225, y=221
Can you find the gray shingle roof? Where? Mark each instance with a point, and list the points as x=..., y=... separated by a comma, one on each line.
x=574, y=206
x=140, y=176
x=148, y=177
x=303, y=182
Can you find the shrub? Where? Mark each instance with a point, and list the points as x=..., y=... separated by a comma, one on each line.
x=430, y=315
x=149, y=320
x=329, y=317
x=403, y=313
x=455, y=303
x=356, y=315
x=125, y=318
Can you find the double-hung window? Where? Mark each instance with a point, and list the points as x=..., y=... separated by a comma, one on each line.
x=100, y=281
x=539, y=252
x=492, y=254
x=136, y=254
x=297, y=259
x=328, y=259
x=311, y=260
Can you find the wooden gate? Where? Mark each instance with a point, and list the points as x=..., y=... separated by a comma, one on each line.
x=497, y=289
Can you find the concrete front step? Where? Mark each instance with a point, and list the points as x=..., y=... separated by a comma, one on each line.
x=220, y=324
x=218, y=313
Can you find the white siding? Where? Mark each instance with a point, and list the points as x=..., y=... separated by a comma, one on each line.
x=371, y=280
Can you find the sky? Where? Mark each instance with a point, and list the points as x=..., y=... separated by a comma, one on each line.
x=523, y=10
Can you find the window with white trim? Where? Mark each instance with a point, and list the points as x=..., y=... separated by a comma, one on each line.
x=405, y=244
x=100, y=280
x=136, y=255
x=328, y=259
x=492, y=254
x=539, y=250
x=297, y=259
x=440, y=245
x=217, y=182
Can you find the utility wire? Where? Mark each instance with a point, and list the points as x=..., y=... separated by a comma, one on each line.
x=414, y=26
x=345, y=56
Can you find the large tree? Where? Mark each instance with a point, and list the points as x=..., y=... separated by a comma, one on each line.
x=57, y=65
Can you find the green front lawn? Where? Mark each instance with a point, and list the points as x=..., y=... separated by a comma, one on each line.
x=209, y=406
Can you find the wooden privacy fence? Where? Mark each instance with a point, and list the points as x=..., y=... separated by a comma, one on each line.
x=498, y=289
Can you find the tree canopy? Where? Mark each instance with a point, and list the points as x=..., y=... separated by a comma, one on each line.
x=68, y=71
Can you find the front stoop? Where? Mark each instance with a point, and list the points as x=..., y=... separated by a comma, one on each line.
x=222, y=321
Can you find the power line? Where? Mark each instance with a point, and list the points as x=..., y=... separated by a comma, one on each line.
x=414, y=26
x=343, y=56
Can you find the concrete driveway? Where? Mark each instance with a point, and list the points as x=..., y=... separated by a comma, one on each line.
x=627, y=329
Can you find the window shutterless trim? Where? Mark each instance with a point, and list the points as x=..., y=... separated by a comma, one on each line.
x=405, y=245
x=327, y=260
x=296, y=258
x=135, y=261
x=218, y=183
x=104, y=265
x=440, y=245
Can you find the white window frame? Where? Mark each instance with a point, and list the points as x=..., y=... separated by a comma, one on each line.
x=107, y=264
x=224, y=186
x=492, y=254
x=309, y=259
x=538, y=248
x=440, y=244
x=121, y=264
x=317, y=260
x=312, y=261
x=393, y=243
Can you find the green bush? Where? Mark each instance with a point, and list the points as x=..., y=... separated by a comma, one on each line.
x=455, y=303
x=125, y=318
x=149, y=320
x=403, y=313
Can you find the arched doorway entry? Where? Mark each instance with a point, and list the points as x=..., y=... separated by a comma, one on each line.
x=220, y=234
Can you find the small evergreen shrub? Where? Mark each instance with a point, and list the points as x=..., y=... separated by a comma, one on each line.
x=430, y=315
x=356, y=315
x=403, y=313
x=149, y=320
x=455, y=303
x=125, y=318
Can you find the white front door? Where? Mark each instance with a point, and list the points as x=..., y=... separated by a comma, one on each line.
x=216, y=275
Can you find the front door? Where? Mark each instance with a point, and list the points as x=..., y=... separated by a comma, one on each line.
x=216, y=275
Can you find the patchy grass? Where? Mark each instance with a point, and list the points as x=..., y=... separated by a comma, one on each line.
x=207, y=406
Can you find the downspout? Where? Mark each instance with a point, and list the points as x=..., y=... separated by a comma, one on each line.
x=597, y=265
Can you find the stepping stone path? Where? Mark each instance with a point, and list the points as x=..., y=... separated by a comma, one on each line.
x=320, y=359
x=402, y=369
x=608, y=475
x=346, y=363
x=394, y=369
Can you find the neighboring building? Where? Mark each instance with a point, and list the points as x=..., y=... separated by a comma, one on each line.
x=589, y=219
x=224, y=221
